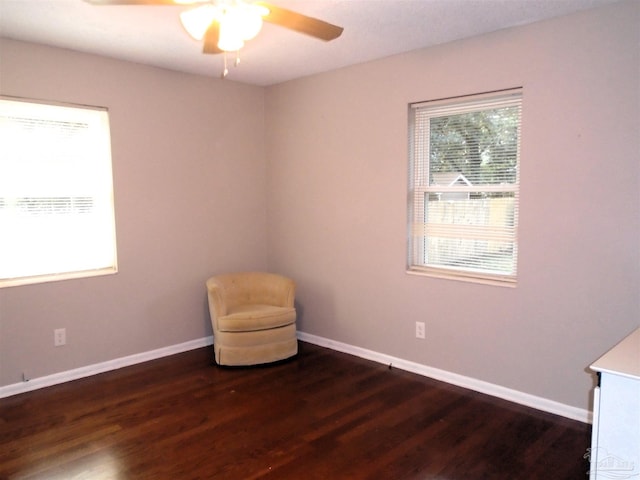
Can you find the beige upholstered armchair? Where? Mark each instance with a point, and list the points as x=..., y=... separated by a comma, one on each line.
x=253, y=318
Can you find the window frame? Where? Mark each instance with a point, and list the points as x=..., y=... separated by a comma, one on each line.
x=66, y=206
x=419, y=165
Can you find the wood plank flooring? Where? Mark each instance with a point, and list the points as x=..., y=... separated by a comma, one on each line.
x=323, y=415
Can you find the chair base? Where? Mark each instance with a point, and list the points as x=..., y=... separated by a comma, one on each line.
x=255, y=355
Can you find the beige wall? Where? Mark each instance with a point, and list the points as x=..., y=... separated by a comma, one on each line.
x=337, y=160
x=197, y=159
x=189, y=175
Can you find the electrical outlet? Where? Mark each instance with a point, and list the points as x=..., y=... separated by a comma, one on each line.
x=420, y=330
x=59, y=337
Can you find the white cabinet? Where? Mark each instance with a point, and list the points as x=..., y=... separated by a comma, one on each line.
x=615, y=442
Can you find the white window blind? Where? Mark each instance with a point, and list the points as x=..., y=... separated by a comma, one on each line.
x=56, y=195
x=464, y=187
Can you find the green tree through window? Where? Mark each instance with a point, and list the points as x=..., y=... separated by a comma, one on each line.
x=481, y=145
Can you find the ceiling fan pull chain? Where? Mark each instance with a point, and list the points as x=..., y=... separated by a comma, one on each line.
x=225, y=72
x=237, y=62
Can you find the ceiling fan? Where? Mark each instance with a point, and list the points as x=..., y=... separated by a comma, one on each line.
x=225, y=25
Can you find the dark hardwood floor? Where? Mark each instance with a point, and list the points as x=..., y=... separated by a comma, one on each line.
x=323, y=415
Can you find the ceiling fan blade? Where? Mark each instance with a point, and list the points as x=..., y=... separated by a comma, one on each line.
x=211, y=39
x=301, y=23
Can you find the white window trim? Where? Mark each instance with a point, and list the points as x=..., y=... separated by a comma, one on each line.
x=451, y=106
x=105, y=200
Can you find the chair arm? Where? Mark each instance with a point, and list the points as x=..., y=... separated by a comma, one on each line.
x=289, y=292
x=217, y=303
x=280, y=290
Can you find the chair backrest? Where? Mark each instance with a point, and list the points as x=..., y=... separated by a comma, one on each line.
x=252, y=288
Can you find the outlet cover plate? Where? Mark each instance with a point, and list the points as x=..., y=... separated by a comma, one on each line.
x=420, y=333
x=59, y=337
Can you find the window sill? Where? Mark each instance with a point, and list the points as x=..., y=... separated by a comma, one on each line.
x=14, y=282
x=493, y=280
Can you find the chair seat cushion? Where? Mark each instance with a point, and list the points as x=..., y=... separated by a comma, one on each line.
x=243, y=318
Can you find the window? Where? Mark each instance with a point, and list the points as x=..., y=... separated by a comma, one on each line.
x=56, y=195
x=463, y=187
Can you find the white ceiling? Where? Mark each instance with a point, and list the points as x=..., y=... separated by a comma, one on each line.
x=372, y=29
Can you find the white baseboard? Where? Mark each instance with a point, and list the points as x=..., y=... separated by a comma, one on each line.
x=102, y=367
x=515, y=396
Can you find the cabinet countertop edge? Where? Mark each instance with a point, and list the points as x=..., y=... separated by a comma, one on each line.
x=623, y=359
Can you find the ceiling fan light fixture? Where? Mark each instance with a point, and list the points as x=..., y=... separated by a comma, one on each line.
x=238, y=23
x=229, y=39
x=196, y=21
x=249, y=21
